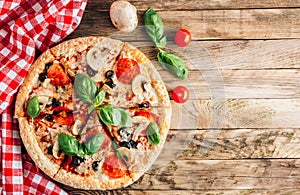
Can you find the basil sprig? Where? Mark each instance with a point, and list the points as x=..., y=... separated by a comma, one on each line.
x=153, y=133
x=173, y=64
x=33, y=107
x=155, y=29
x=85, y=88
x=115, y=116
x=71, y=146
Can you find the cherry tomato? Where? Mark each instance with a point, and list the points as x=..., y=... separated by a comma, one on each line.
x=126, y=70
x=63, y=116
x=180, y=94
x=183, y=37
x=114, y=167
x=58, y=76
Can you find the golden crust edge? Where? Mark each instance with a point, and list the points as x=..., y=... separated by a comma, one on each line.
x=31, y=78
x=34, y=150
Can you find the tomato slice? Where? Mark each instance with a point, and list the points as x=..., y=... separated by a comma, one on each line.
x=114, y=167
x=126, y=70
x=183, y=37
x=63, y=116
x=180, y=94
x=58, y=75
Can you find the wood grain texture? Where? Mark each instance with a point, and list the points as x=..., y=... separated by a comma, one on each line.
x=200, y=4
x=237, y=113
x=206, y=24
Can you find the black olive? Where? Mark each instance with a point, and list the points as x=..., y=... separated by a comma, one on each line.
x=49, y=118
x=109, y=74
x=110, y=83
x=90, y=71
x=76, y=161
x=42, y=77
x=125, y=144
x=55, y=102
x=143, y=105
x=133, y=144
x=95, y=165
x=47, y=66
x=50, y=150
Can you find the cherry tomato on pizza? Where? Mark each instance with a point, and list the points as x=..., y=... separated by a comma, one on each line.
x=58, y=75
x=183, y=37
x=180, y=94
x=126, y=70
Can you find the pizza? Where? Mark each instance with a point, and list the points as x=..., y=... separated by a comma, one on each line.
x=93, y=113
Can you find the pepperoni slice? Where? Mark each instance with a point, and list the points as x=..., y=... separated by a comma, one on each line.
x=126, y=70
x=63, y=116
x=57, y=75
x=114, y=167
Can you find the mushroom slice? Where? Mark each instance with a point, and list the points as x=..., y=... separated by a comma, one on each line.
x=94, y=58
x=142, y=123
x=126, y=155
x=43, y=100
x=140, y=84
x=76, y=126
x=55, y=150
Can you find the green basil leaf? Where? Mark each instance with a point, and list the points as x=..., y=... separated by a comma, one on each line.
x=173, y=64
x=68, y=144
x=155, y=28
x=33, y=107
x=91, y=108
x=115, y=116
x=81, y=151
x=153, y=133
x=85, y=88
x=99, y=98
x=94, y=144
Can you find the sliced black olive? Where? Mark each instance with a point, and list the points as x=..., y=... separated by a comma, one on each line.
x=143, y=105
x=125, y=144
x=95, y=165
x=55, y=102
x=76, y=161
x=47, y=66
x=90, y=71
x=50, y=150
x=109, y=74
x=42, y=77
x=133, y=144
x=49, y=118
x=110, y=83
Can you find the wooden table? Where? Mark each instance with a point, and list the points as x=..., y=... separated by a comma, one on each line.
x=239, y=132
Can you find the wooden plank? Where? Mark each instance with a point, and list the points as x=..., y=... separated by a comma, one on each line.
x=238, y=83
x=236, y=113
x=207, y=24
x=232, y=144
x=221, y=174
x=199, y=4
x=233, y=55
x=179, y=192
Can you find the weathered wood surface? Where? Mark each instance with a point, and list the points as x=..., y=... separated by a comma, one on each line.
x=240, y=131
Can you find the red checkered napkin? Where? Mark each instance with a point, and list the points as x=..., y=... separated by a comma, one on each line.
x=24, y=26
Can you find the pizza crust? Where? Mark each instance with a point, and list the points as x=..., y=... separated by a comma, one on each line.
x=30, y=81
x=31, y=144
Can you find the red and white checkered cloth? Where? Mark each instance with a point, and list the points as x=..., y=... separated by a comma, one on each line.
x=24, y=26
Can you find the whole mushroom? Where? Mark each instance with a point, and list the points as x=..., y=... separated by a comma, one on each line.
x=123, y=16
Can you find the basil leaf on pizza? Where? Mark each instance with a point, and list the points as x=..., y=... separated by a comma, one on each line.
x=85, y=88
x=153, y=133
x=33, y=107
x=94, y=144
x=155, y=28
x=99, y=98
x=115, y=116
x=68, y=144
x=173, y=64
